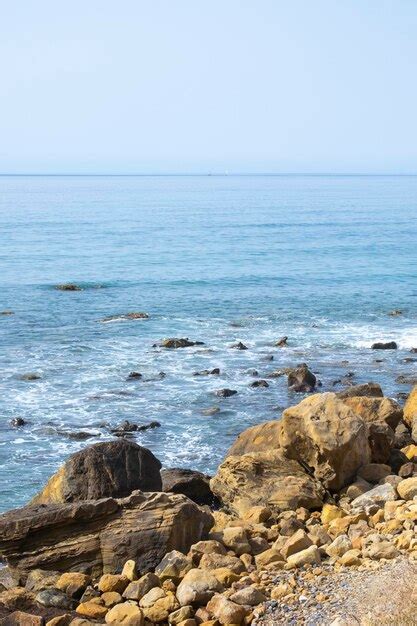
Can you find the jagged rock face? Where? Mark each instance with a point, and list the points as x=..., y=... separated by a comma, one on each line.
x=100, y=536
x=410, y=412
x=195, y=485
x=267, y=479
x=261, y=438
x=113, y=469
x=324, y=433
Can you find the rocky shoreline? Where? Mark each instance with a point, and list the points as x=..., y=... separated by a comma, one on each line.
x=299, y=508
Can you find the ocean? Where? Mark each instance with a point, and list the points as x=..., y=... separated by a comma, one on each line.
x=217, y=259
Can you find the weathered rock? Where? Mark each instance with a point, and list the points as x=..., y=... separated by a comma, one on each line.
x=111, y=598
x=225, y=393
x=129, y=570
x=16, y=598
x=370, y=390
x=235, y=538
x=40, y=579
x=380, y=345
x=249, y=596
x=19, y=618
x=160, y=609
x=310, y=556
x=139, y=588
x=113, y=582
x=265, y=479
x=216, y=561
x=261, y=438
x=408, y=488
x=174, y=565
x=178, y=616
x=239, y=346
x=77, y=581
x=197, y=588
x=301, y=379
x=410, y=413
x=151, y=597
x=374, y=472
x=225, y=611
x=174, y=342
x=259, y=383
x=139, y=315
x=323, y=433
x=297, y=542
x=195, y=485
x=125, y=613
x=381, y=550
x=339, y=546
x=111, y=469
x=376, y=496
x=268, y=557
x=93, y=610
x=68, y=287
x=210, y=546
x=55, y=598
x=100, y=536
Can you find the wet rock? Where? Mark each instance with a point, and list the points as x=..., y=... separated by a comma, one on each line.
x=267, y=357
x=404, y=379
x=30, y=376
x=134, y=376
x=126, y=427
x=239, y=346
x=225, y=393
x=281, y=342
x=6, y=312
x=214, y=372
x=259, y=383
x=195, y=485
x=77, y=435
x=106, y=533
x=54, y=598
x=17, y=422
x=300, y=379
x=173, y=343
x=68, y=287
x=110, y=469
x=212, y=410
x=380, y=345
x=139, y=315
x=264, y=479
x=395, y=312
x=371, y=390
x=323, y=433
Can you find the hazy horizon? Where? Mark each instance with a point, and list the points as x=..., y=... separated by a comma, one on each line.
x=190, y=88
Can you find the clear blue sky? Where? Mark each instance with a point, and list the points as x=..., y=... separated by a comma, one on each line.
x=197, y=86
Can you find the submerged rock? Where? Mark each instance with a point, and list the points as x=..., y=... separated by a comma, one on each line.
x=174, y=343
x=126, y=316
x=239, y=346
x=225, y=393
x=301, y=379
x=110, y=469
x=214, y=372
x=281, y=342
x=30, y=376
x=7, y=312
x=212, y=410
x=259, y=383
x=380, y=345
x=127, y=427
x=17, y=422
x=68, y=287
x=134, y=376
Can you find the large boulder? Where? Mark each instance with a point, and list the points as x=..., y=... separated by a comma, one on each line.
x=267, y=479
x=195, y=485
x=113, y=469
x=325, y=434
x=410, y=412
x=371, y=390
x=261, y=438
x=99, y=536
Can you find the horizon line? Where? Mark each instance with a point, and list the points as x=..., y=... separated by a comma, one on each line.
x=196, y=174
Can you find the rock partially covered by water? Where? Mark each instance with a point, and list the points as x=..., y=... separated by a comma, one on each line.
x=267, y=479
x=68, y=287
x=174, y=342
x=225, y=393
x=110, y=469
x=371, y=390
x=213, y=372
x=380, y=345
x=326, y=435
x=126, y=428
x=17, y=422
x=195, y=485
x=137, y=315
x=99, y=536
x=281, y=342
x=239, y=346
x=301, y=379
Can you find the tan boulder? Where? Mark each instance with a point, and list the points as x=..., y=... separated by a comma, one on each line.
x=160, y=609
x=197, y=587
x=92, y=609
x=20, y=618
x=113, y=582
x=268, y=558
x=257, y=514
x=225, y=611
x=265, y=479
x=215, y=561
x=225, y=576
x=410, y=408
x=125, y=613
x=129, y=570
x=174, y=565
x=339, y=546
x=151, y=597
x=248, y=596
x=350, y=558
x=236, y=539
x=323, y=432
x=330, y=512
x=297, y=542
x=408, y=488
x=260, y=438
x=178, y=616
x=374, y=472
x=210, y=546
x=138, y=588
x=310, y=556
x=76, y=580
x=110, y=598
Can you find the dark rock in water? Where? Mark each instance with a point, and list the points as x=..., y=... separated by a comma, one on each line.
x=403, y=379
x=101, y=535
x=134, y=376
x=149, y=426
x=345, y=380
x=370, y=390
x=239, y=346
x=127, y=427
x=389, y=345
x=215, y=372
x=110, y=469
x=126, y=316
x=30, y=376
x=281, y=342
x=259, y=383
x=268, y=357
x=190, y=483
x=301, y=379
x=211, y=410
x=395, y=313
x=68, y=287
x=253, y=372
x=17, y=422
x=77, y=435
x=56, y=598
x=409, y=359
x=6, y=312
x=413, y=350
x=408, y=470
x=402, y=436
x=402, y=395
x=225, y=393
x=174, y=342
x=278, y=373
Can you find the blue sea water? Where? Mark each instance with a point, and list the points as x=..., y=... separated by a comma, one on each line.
x=218, y=259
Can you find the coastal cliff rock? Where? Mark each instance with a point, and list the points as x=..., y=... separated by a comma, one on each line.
x=113, y=469
x=325, y=434
x=194, y=485
x=265, y=478
x=100, y=536
x=259, y=438
x=410, y=412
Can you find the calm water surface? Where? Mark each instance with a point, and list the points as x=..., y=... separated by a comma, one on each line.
x=216, y=259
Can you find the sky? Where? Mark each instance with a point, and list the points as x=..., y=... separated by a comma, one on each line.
x=210, y=86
